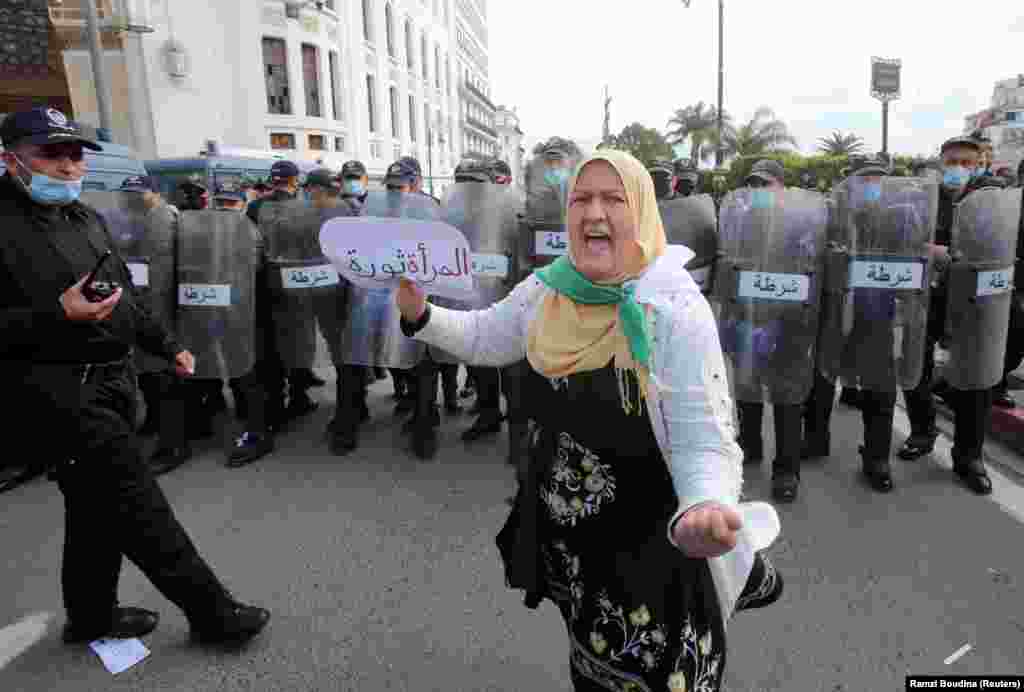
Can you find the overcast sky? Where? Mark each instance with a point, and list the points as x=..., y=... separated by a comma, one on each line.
x=810, y=60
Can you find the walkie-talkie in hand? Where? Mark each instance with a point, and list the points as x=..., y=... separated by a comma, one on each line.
x=98, y=291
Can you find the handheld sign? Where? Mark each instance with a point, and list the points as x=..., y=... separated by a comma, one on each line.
x=374, y=253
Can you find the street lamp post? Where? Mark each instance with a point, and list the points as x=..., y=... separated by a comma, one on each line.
x=719, y=150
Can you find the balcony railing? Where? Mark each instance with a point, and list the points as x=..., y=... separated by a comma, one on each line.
x=479, y=94
x=473, y=122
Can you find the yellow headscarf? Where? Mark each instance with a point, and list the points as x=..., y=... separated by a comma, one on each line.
x=569, y=337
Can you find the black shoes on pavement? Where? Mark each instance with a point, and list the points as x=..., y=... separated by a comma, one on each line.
x=125, y=623
x=249, y=447
x=486, y=424
x=233, y=624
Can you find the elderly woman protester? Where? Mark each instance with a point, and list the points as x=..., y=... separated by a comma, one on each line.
x=634, y=441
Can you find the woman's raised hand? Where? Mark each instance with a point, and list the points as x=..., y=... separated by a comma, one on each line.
x=411, y=299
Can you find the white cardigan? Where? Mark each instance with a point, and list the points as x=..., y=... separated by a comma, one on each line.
x=688, y=398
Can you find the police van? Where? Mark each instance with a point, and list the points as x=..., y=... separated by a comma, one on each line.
x=107, y=169
x=217, y=166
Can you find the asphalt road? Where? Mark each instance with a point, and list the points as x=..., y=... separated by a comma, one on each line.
x=381, y=574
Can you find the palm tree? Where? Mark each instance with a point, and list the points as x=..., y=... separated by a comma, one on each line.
x=762, y=134
x=698, y=122
x=840, y=145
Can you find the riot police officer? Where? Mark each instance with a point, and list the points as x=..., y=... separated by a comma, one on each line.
x=664, y=178
x=354, y=183
x=972, y=409
x=877, y=403
x=687, y=177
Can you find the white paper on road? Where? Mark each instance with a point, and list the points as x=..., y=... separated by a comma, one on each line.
x=374, y=253
x=958, y=654
x=118, y=655
x=17, y=638
x=761, y=527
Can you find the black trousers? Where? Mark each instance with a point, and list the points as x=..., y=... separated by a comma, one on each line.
x=513, y=378
x=788, y=433
x=877, y=412
x=115, y=509
x=351, y=395
x=488, y=388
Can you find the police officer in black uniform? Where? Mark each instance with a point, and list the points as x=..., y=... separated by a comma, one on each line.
x=66, y=350
x=406, y=175
x=687, y=178
x=355, y=183
x=972, y=409
x=665, y=181
x=877, y=408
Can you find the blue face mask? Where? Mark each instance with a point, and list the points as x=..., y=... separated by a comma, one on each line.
x=50, y=191
x=955, y=176
x=762, y=198
x=354, y=188
x=556, y=177
x=872, y=192
x=980, y=171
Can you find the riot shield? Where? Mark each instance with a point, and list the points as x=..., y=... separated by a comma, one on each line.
x=372, y=334
x=146, y=240
x=543, y=234
x=983, y=249
x=690, y=221
x=768, y=282
x=218, y=255
x=486, y=215
x=300, y=281
x=877, y=282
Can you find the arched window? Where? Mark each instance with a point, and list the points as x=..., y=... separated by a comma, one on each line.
x=368, y=20
x=408, y=43
x=389, y=28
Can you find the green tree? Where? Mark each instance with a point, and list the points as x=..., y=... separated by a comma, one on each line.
x=645, y=143
x=762, y=134
x=698, y=122
x=839, y=144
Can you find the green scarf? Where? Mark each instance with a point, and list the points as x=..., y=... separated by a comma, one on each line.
x=563, y=277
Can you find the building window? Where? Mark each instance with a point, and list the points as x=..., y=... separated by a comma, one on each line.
x=370, y=101
x=311, y=79
x=408, y=43
x=412, y=118
x=275, y=64
x=423, y=50
x=394, y=112
x=426, y=123
x=339, y=143
x=332, y=60
x=389, y=28
x=448, y=74
x=437, y=66
x=445, y=4
x=282, y=140
x=317, y=142
x=375, y=149
x=368, y=20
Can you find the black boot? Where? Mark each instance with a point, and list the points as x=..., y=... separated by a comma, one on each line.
x=877, y=471
x=917, y=445
x=972, y=472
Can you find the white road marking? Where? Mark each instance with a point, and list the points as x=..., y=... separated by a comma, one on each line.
x=956, y=655
x=17, y=638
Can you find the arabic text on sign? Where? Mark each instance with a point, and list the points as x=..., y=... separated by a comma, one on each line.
x=140, y=273
x=551, y=243
x=996, y=282
x=309, y=277
x=489, y=266
x=204, y=295
x=776, y=287
x=896, y=276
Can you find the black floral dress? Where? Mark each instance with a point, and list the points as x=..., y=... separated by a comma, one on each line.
x=641, y=615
